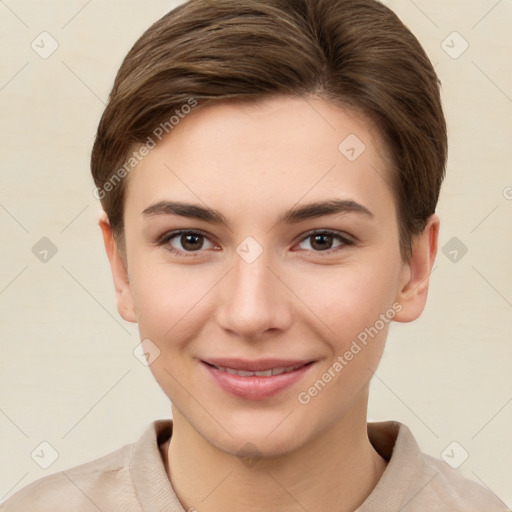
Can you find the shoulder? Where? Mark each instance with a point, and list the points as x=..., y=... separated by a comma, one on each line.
x=100, y=484
x=414, y=481
x=456, y=492
x=438, y=487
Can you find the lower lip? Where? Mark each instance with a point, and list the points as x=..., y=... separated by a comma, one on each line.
x=256, y=388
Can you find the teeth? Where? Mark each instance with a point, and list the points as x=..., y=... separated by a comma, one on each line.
x=266, y=373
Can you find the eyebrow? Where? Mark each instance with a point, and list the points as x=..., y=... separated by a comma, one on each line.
x=292, y=216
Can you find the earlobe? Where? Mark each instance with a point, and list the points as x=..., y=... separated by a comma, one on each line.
x=124, y=298
x=416, y=276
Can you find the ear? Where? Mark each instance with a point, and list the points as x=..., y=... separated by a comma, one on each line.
x=416, y=274
x=119, y=271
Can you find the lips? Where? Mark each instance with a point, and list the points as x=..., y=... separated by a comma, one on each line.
x=256, y=380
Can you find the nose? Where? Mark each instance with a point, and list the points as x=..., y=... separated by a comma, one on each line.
x=252, y=300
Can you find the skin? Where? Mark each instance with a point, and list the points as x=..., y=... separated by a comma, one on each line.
x=252, y=163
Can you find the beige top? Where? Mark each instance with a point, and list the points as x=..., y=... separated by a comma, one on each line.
x=133, y=479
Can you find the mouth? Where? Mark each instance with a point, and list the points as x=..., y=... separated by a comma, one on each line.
x=261, y=373
x=256, y=380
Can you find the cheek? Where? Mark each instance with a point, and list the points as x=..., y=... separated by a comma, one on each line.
x=171, y=310
x=170, y=302
x=357, y=306
x=348, y=299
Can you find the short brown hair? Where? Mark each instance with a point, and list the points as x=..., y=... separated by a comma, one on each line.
x=355, y=53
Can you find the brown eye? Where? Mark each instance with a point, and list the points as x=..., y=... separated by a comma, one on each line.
x=191, y=242
x=321, y=242
x=324, y=242
x=186, y=241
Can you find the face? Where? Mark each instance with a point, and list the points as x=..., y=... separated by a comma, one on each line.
x=265, y=236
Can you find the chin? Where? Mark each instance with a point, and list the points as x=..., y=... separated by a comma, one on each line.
x=258, y=440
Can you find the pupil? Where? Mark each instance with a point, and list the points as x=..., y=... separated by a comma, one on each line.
x=190, y=242
x=322, y=242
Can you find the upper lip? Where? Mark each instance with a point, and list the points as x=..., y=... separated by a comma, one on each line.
x=259, y=365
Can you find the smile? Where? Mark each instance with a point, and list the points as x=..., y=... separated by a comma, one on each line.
x=266, y=373
x=257, y=380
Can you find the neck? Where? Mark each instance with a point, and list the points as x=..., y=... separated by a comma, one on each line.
x=334, y=472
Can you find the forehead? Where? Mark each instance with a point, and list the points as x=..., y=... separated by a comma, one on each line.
x=267, y=153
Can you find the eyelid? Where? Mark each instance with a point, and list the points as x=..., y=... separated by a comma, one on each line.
x=171, y=234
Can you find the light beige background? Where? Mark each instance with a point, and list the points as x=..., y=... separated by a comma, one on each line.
x=68, y=375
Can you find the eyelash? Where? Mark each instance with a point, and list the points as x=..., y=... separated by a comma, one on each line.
x=167, y=237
